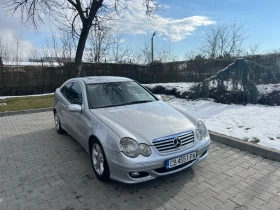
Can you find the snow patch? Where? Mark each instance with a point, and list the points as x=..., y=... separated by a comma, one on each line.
x=46, y=94
x=269, y=88
x=229, y=86
x=256, y=123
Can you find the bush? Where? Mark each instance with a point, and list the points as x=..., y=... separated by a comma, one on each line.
x=155, y=68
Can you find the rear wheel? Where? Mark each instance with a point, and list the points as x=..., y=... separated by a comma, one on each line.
x=57, y=124
x=99, y=162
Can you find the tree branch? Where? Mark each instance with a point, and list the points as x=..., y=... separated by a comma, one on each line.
x=95, y=5
x=79, y=9
x=73, y=3
x=73, y=26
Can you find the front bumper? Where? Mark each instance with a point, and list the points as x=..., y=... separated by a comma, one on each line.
x=121, y=166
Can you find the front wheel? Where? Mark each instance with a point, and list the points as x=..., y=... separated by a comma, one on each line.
x=57, y=124
x=99, y=162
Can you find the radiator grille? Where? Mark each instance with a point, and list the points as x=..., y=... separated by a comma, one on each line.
x=168, y=143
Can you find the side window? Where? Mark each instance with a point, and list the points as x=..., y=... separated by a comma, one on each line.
x=66, y=90
x=76, y=94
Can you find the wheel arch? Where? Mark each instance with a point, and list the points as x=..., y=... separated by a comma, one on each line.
x=105, y=176
x=92, y=138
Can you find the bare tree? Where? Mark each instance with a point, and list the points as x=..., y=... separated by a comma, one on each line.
x=134, y=55
x=18, y=51
x=81, y=14
x=191, y=55
x=11, y=49
x=5, y=50
x=164, y=54
x=119, y=49
x=100, y=40
x=68, y=45
x=224, y=40
x=143, y=54
x=34, y=55
x=253, y=49
x=60, y=48
x=272, y=58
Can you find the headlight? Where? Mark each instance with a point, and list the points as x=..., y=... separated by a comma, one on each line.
x=201, y=131
x=145, y=150
x=132, y=149
x=129, y=147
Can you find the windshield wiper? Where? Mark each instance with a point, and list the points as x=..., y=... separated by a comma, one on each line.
x=133, y=102
x=136, y=102
x=107, y=106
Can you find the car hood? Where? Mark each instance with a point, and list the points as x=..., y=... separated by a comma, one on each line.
x=145, y=122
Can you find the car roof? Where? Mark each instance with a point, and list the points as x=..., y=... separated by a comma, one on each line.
x=104, y=79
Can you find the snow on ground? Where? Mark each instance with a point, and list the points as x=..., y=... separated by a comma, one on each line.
x=248, y=122
x=25, y=63
x=4, y=97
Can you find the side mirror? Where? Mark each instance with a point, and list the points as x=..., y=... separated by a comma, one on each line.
x=159, y=97
x=75, y=108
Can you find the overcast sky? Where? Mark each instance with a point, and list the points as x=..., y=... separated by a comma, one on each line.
x=180, y=26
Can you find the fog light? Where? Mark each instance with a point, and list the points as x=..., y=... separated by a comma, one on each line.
x=134, y=174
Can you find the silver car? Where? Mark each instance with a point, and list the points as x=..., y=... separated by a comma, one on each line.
x=130, y=134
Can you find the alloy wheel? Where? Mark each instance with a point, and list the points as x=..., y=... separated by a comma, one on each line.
x=56, y=121
x=97, y=159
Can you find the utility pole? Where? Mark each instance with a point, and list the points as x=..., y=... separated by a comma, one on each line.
x=152, y=41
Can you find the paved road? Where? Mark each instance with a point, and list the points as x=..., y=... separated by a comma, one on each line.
x=40, y=169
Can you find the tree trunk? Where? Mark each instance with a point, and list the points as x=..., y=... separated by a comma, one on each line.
x=87, y=23
x=80, y=48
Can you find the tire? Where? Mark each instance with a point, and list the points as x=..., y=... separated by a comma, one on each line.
x=57, y=124
x=99, y=162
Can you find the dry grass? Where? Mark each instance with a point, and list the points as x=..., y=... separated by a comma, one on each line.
x=25, y=103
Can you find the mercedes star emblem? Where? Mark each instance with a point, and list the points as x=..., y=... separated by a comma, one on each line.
x=177, y=142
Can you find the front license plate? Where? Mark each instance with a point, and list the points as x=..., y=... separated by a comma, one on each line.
x=180, y=160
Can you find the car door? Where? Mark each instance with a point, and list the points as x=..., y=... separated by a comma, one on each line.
x=62, y=106
x=77, y=120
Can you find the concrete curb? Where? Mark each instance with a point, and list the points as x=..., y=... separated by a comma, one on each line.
x=2, y=114
x=256, y=149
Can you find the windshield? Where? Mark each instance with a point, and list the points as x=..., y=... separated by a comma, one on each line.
x=117, y=94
